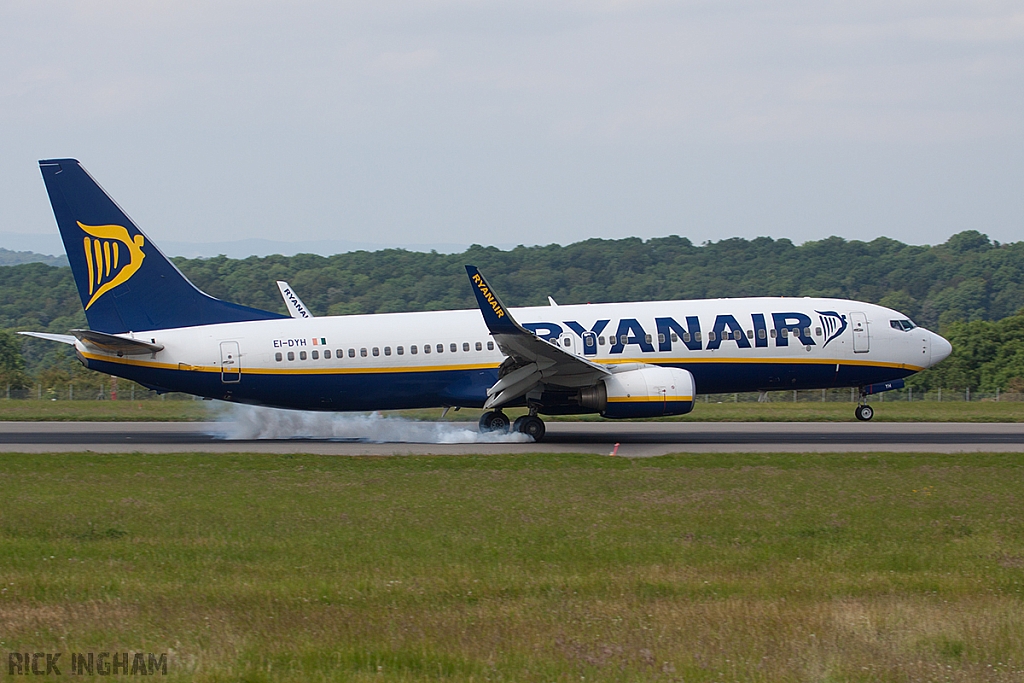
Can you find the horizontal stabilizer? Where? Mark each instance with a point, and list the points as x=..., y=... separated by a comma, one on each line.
x=62, y=338
x=111, y=343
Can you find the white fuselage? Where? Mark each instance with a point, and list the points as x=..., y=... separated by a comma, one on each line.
x=367, y=362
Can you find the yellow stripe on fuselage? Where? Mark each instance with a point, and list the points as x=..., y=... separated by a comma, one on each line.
x=649, y=399
x=486, y=366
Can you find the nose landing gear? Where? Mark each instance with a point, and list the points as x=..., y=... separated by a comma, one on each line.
x=864, y=412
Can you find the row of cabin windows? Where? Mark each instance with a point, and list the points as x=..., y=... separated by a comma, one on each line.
x=376, y=350
x=736, y=334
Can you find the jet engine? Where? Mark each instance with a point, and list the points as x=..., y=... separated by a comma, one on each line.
x=650, y=391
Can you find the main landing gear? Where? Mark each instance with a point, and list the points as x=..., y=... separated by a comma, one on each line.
x=497, y=421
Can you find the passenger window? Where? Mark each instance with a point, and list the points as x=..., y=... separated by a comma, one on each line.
x=624, y=339
x=711, y=335
x=302, y=355
x=490, y=346
x=362, y=352
x=647, y=338
x=387, y=350
x=750, y=334
x=785, y=332
x=479, y=346
x=440, y=348
x=316, y=355
x=686, y=337
x=426, y=348
x=413, y=350
x=696, y=336
x=675, y=337
x=376, y=351
x=351, y=353
x=773, y=334
x=400, y=350
x=661, y=339
x=453, y=348
x=291, y=355
x=278, y=357
x=327, y=354
x=600, y=341
x=807, y=332
x=566, y=341
x=817, y=331
x=761, y=334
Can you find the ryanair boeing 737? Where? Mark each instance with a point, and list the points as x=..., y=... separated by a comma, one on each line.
x=149, y=324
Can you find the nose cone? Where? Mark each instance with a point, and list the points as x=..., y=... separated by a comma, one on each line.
x=940, y=348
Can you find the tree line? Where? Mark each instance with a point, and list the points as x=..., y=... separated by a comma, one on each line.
x=969, y=288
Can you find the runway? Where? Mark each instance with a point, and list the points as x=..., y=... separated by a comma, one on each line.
x=635, y=439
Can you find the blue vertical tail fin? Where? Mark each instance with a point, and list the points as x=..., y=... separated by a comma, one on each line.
x=125, y=282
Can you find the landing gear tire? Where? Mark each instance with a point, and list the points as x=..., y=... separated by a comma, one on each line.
x=864, y=413
x=494, y=421
x=531, y=425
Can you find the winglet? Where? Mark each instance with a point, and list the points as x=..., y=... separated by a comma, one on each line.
x=292, y=302
x=496, y=315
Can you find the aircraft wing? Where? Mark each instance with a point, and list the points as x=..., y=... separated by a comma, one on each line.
x=296, y=308
x=535, y=361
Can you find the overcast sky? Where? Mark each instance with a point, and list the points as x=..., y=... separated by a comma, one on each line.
x=521, y=122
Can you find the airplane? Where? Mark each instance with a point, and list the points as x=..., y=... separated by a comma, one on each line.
x=149, y=324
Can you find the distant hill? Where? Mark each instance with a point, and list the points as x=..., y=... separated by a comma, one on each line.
x=969, y=277
x=14, y=258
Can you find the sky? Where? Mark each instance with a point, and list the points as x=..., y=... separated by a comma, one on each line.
x=459, y=122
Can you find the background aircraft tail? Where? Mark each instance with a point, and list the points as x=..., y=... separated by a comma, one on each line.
x=125, y=282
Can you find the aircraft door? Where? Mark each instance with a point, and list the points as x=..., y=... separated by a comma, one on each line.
x=861, y=337
x=230, y=362
x=568, y=343
x=589, y=343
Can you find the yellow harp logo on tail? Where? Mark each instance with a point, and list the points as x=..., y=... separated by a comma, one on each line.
x=111, y=257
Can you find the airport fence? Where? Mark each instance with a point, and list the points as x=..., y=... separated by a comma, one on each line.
x=851, y=395
x=104, y=391
x=114, y=390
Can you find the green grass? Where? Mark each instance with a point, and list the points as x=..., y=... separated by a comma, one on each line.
x=726, y=411
x=32, y=410
x=791, y=567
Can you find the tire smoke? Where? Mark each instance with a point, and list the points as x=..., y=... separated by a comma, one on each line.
x=235, y=422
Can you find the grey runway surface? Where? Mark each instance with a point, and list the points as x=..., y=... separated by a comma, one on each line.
x=635, y=439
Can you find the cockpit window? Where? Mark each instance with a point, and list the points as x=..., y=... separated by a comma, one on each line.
x=903, y=325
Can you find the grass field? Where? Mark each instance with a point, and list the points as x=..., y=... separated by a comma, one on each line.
x=855, y=567
x=103, y=411
x=726, y=411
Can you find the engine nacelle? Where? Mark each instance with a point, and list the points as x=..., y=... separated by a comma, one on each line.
x=645, y=392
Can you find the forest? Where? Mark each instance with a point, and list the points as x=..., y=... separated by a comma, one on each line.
x=970, y=288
